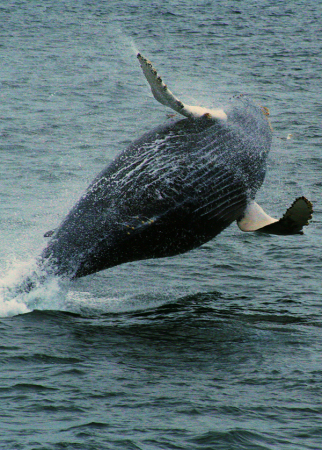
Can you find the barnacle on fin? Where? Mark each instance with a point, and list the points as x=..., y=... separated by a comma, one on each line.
x=265, y=110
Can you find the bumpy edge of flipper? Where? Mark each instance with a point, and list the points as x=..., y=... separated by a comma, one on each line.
x=163, y=95
x=292, y=222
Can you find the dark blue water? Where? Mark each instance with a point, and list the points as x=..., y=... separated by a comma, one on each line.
x=219, y=348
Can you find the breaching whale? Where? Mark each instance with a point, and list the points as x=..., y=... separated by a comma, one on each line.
x=173, y=189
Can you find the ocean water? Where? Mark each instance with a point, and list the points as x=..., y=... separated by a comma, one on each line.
x=219, y=348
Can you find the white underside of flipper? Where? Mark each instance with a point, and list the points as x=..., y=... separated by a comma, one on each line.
x=254, y=218
x=161, y=93
x=292, y=222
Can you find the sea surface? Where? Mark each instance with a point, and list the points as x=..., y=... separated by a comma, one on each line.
x=219, y=348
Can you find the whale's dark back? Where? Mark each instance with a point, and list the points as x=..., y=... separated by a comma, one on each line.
x=170, y=191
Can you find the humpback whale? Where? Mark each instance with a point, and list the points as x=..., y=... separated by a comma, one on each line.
x=173, y=189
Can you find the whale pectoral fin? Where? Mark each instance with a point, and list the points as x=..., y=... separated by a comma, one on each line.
x=49, y=233
x=292, y=222
x=294, y=219
x=254, y=218
x=163, y=95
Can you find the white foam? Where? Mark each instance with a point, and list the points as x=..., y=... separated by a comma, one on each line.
x=47, y=293
x=87, y=303
x=12, y=307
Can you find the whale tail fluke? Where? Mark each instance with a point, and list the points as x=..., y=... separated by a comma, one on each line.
x=292, y=222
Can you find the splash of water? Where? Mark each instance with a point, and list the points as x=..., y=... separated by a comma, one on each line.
x=24, y=287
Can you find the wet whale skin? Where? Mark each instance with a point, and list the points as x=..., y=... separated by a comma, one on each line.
x=170, y=191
